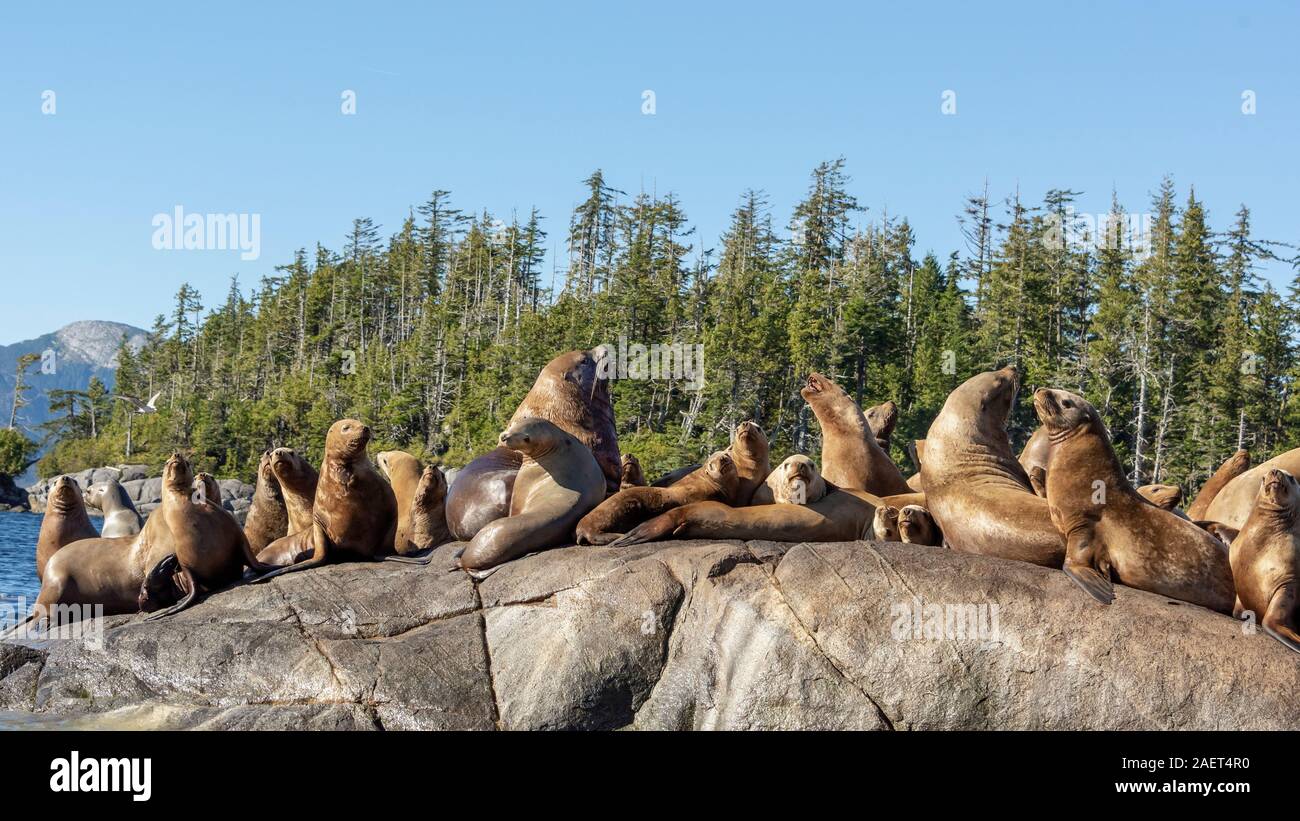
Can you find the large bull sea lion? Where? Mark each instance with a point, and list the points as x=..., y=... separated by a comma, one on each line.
x=571, y=392
x=975, y=489
x=1111, y=531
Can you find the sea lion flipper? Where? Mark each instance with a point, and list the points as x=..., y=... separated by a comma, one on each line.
x=408, y=559
x=1277, y=619
x=648, y=531
x=1038, y=480
x=320, y=552
x=190, y=598
x=1091, y=582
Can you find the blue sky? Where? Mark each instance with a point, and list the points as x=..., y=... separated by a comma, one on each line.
x=235, y=107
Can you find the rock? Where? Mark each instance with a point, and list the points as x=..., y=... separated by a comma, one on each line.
x=676, y=635
x=151, y=490
x=133, y=473
x=133, y=488
x=11, y=498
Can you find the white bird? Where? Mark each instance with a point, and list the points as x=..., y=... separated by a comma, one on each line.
x=137, y=406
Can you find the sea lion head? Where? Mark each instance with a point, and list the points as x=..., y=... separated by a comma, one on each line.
x=347, y=439
x=881, y=419
x=1278, y=490
x=632, y=473
x=161, y=587
x=1162, y=496
x=721, y=467
x=432, y=485
x=916, y=525
x=206, y=489
x=796, y=481
x=289, y=467
x=819, y=390
x=531, y=436
x=885, y=524
x=64, y=494
x=264, y=469
x=751, y=441
x=1063, y=413
x=177, y=474
x=573, y=380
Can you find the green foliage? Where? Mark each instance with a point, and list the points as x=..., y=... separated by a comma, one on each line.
x=16, y=451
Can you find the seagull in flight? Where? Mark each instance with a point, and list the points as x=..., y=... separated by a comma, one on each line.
x=139, y=407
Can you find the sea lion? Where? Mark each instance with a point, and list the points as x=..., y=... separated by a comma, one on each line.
x=1232, y=505
x=881, y=419
x=717, y=481
x=571, y=392
x=428, y=517
x=851, y=458
x=977, y=492
x=795, y=481
x=1235, y=465
x=65, y=522
x=673, y=477
x=120, y=516
x=1110, y=530
x=917, y=526
x=884, y=525
x=632, y=475
x=1165, y=497
x=404, y=473
x=559, y=482
x=1266, y=559
x=268, y=516
x=1036, y=451
x=298, y=480
x=917, y=452
x=354, y=513
x=839, y=516
x=752, y=454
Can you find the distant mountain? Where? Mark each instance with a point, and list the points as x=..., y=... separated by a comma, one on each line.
x=82, y=350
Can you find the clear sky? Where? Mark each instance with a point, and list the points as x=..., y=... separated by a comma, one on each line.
x=236, y=108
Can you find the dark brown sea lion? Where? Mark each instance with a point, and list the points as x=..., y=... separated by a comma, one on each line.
x=632, y=475
x=796, y=481
x=716, y=481
x=572, y=392
x=884, y=525
x=559, y=482
x=404, y=473
x=975, y=489
x=354, y=514
x=120, y=516
x=839, y=516
x=1235, y=465
x=298, y=480
x=268, y=517
x=65, y=522
x=851, y=458
x=881, y=419
x=917, y=526
x=1111, y=531
x=1266, y=559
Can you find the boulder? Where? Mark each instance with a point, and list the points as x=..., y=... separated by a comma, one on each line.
x=675, y=635
x=132, y=473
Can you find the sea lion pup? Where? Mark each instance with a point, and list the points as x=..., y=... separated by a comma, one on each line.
x=65, y=522
x=404, y=473
x=1165, y=497
x=851, y=458
x=975, y=489
x=881, y=419
x=1110, y=530
x=298, y=480
x=917, y=526
x=559, y=482
x=354, y=514
x=120, y=516
x=839, y=516
x=571, y=392
x=717, y=481
x=632, y=475
x=1232, y=505
x=268, y=517
x=884, y=525
x=794, y=482
x=1235, y=465
x=1266, y=559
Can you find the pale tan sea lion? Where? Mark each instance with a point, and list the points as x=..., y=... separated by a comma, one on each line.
x=428, y=510
x=1037, y=451
x=851, y=458
x=884, y=525
x=268, y=516
x=1232, y=505
x=632, y=475
x=977, y=492
x=298, y=480
x=65, y=522
x=1165, y=497
x=120, y=516
x=1235, y=465
x=717, y=481
x=1111, y=531
x=1266, y=559
x=404, y=473
x=917, y=526
x=796, y=481
x=572, y=392
x=354, y=513
x=559, y=482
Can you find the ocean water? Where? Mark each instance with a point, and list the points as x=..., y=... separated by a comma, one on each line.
x=18, y=583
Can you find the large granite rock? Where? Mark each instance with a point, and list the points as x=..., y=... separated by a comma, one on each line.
x=676, y=635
